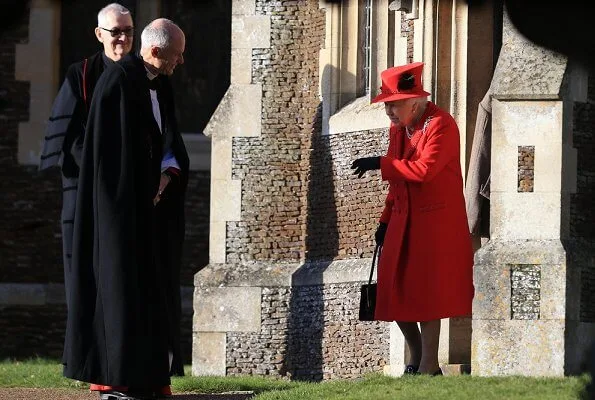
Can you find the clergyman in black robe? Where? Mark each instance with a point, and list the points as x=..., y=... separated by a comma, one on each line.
x=123, y=318
x=65, y=131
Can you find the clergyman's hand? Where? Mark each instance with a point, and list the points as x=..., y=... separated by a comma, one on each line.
x=163, y=182
x=361, y=165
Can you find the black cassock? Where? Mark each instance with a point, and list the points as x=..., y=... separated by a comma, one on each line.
x=124, y=305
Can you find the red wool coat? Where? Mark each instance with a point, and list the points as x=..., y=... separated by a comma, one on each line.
x=426, y=266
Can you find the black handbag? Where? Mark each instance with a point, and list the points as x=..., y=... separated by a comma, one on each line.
x=367, y=301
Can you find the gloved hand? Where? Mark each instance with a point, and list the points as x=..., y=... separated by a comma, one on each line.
x=364, y=164
x=380, y=232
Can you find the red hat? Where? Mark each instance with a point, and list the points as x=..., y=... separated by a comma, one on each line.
x=399, y=83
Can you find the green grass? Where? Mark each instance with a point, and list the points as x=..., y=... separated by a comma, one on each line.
x=419, y=387
x=212, y=384
x=42, y=373
x=35, y=373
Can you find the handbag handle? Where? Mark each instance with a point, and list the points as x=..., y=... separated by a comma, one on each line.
x=376, y=255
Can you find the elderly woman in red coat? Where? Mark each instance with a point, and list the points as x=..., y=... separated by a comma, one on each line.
x=426, y=268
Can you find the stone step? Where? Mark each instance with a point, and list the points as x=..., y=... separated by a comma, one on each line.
x=456, y=369
x=447, y=370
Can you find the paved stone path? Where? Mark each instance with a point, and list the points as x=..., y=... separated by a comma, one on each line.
x=65, y=394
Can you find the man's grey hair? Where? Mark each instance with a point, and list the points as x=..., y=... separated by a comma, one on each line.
x=110, y=8
x=159, y=35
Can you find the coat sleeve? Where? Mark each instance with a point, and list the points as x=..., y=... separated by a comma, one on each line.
x=441, y=147
x=65, y=126
x=390, y=198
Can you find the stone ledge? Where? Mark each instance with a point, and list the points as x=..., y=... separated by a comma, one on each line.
x=247, y=274
x=359, y=115
x=38, y=294
x=31, y=294
x=263, y=274
x=522, y=251
x=339, y=271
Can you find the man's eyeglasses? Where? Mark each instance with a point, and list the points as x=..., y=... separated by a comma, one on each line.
x=117, y=32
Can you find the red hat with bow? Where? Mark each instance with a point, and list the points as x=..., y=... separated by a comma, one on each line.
x=400, y=83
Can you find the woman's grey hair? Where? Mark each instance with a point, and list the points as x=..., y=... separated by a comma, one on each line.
x=158, y=34
x=110, y=8
x=421, y=99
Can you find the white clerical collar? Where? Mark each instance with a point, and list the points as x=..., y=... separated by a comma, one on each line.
x=150, y=75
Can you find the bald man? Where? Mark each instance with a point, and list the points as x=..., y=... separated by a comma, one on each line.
x=124, y=315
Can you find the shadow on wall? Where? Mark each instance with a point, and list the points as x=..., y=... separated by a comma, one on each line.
x=306, y=321
x=202, y=82
x=304, y=359
x=581, y=244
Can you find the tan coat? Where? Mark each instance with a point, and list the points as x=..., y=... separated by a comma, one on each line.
x=477, y=186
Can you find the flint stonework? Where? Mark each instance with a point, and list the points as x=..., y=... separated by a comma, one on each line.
x=525, y=287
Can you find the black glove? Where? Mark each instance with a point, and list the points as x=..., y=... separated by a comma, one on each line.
x=380, y=232
x=362, y=165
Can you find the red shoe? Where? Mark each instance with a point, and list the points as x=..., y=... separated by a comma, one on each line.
x=165, y=391
x=105, y=391
x=106, y=388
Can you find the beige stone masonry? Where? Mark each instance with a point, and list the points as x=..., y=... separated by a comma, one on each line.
x=227, y=309
x=38, y=62
x=536, y=123
x=208, y=353
x=238, y=114
x=219, y=310
x=515, y=347
x=528, y=323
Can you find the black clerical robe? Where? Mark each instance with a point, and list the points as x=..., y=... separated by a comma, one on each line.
x=64, y=138
x=124, y=307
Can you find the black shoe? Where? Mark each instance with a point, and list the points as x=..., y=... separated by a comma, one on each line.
x=132, y=395
x=438, y=373
x=148, y=394
x=411, y=370
x=116, y=395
